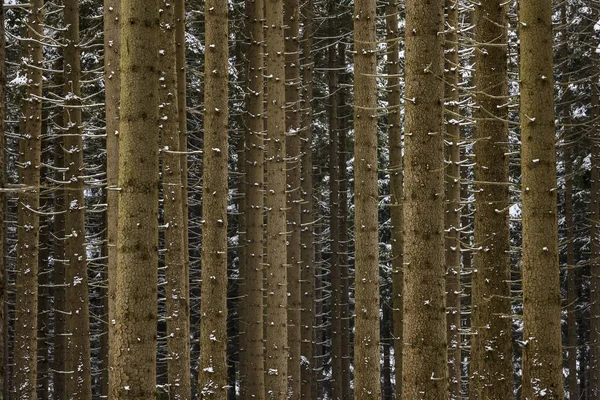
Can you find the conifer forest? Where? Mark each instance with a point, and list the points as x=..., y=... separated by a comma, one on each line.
x=300, y=199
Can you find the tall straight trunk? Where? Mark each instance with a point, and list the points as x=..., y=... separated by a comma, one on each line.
x=254, y=380
x=112, y=93
x=177, y=298
x=542, y=354
x=424, y=367
x=343, y=259
x=396, y=178
x=571, y=381
x=334, y=263
x=3, y=214
x=26, y=290
x=212, y=380
x=366, y=339
x=133, y=369
x=453, y=203
x=77, y=352
x=276, y=282
x=491, y=352
x=43, y=378
x=307, y=255
x=294, y=198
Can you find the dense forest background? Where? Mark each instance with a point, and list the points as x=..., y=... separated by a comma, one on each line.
x=300, y=199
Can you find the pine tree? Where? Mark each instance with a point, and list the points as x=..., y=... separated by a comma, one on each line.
x=133, y=369
x=424, y=364
x=3, y=213
x=491, y=356
x=366, y=341
x=26, y=290
x=542, y=355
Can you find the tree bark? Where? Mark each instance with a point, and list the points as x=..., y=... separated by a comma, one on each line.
x=424, y=368
x=491, y=354
x=133, y=369
x=542, y=354
x=366, y=341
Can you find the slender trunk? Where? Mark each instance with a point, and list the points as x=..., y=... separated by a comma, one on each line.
x=3, y=217
x=307, y=237
x=178, y=338
x=396, y=178
x=276, y=266
x=43, y=332
x=212, y=379
x=112, y=92
x=424, y=368
x=254, y=348
x=133, y=369
x=26, y=298
x=542, y=353
x=491, y=352
x=366, y=342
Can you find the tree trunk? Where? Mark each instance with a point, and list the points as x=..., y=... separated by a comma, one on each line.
x=542, y=354
x=26, y=298
x=491, y=354
x=307, y=255
x=424, y=368
x=292, y=101
x=254, y=380
x=112, y=93
x=178, y=329
x=366, y=339
x=3, y=217
x=133, y=369
x=276, y=289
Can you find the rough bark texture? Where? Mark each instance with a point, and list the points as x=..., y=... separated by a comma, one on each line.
x=452, y=214
x=178, y=337
x=133, y=368
x=396, y=182
x=3, y=210
x=255, y=377
x=334, y=227
x=112, y=92
x=424, y=365
x=542, y=354
x=26, y=298
x=491, y=354
x=77, y=352
x=212, y=380
x=276, y=266
x=366, y=341
x=307, y=236
x=292, y=100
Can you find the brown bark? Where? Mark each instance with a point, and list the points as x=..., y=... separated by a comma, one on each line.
x=26, y=298
x=366, y=340
x=542, y=354
x=276, y=266
x=133, y=368
x=491, y=352
x=424, y=368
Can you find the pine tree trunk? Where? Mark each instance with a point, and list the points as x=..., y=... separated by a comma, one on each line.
x=77, y=352
x=254, y=380
x=491, y=354
x=292, y=100
x=133, y=369
x=178, y=338
x=396, y=182
x=307, y=255
x=212, y=379
x=112, y=93
x=43, y=283
x=3, y=214
x=424, y=368
x=276, y=289
x=542, y=354
x=366, y=340
x=26, y=298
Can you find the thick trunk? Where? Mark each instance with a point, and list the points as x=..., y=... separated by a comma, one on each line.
x=542, y=354
x=366, y=340
x=424, y=368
